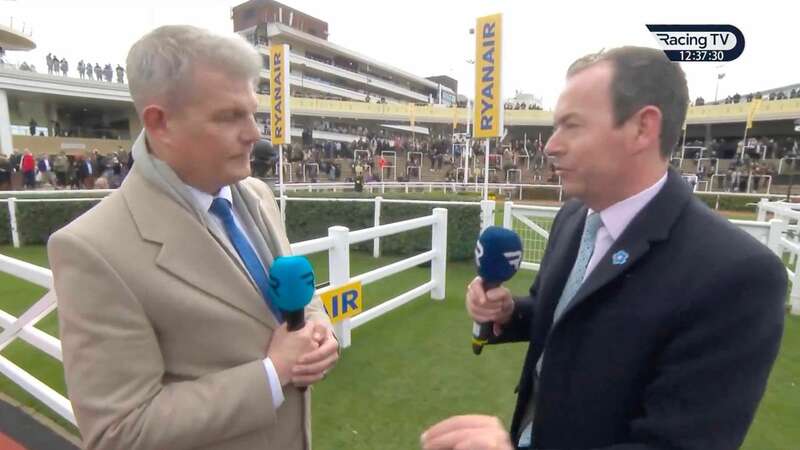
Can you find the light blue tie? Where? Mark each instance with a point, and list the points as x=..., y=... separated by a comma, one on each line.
x=576, y=276
x=221, y=208
x=578, y=273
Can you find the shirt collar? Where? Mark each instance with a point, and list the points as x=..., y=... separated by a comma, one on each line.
x=204, y=199
x=617, y=216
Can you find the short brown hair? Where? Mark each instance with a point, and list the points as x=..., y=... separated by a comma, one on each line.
x=644, y=76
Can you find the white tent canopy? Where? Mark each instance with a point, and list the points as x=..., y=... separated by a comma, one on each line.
x=408, y=129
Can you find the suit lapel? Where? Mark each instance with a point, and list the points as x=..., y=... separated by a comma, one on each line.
x=651, y=224
x=262, y=205
x=188, y=250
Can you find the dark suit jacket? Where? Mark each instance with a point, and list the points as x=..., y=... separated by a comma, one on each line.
x=670, y=350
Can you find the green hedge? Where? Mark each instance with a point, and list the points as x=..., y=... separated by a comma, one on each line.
x=729, y=203
x=304, y=220
x=5, y=226
x=37, y=221
x=311, y=219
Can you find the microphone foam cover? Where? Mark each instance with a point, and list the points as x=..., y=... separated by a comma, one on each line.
x=291, y=282
x=498, y=254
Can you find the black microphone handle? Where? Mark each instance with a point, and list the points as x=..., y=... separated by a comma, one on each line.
x=482, y=331
x=295, y=320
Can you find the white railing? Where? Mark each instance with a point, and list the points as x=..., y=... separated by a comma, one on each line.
x=778, y=234
x=24, y=328
x=534, y=235
x=337, y=244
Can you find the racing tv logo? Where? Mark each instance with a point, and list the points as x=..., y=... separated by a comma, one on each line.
x=701, y=43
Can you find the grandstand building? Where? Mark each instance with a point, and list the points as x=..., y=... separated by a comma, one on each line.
x=322, y=69
x=340, y=97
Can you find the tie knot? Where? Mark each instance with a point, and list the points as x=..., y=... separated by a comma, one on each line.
x=221, y=208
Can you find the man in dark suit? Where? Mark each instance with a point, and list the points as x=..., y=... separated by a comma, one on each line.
x=653, y=322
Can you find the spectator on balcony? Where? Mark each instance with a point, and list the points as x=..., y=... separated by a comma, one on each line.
x=61, y=168
x=50, y=62
x=81, y=69
x=120, y=74
x=64, y=67
x=2, y=55
x=32, y=126
x=89, y=71
x=98, y=72
x=736, y=98
x=28, y=168
x=699, y=102
x=108, y=72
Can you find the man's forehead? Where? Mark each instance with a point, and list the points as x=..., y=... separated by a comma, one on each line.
x=584, y=90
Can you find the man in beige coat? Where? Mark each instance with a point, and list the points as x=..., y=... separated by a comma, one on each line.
x=168, y=341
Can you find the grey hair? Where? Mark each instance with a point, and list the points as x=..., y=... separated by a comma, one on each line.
x=161, y=64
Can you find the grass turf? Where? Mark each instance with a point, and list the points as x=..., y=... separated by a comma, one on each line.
x=412, y=367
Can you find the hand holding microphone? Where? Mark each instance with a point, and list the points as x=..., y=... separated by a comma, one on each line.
x=498, y=254
x=292, y=288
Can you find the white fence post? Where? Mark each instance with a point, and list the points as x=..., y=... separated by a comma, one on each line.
x=12, y=216
x=439, y=245
x=487, y=214
x=339, y=274
x=776, y=229
x=508, y=219
x=283, y=209
x=794, y=296
x=376, y=243
x=762, y=211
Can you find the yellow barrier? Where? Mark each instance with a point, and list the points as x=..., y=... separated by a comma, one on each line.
x=769, y=110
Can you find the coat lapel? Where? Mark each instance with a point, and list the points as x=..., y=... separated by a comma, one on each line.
x=651, y=224
x=189, y=251
x=261, y=203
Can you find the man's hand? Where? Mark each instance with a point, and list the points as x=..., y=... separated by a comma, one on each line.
x=494, y=305
x=467, y=433
x=286, y=348
x=315, y=364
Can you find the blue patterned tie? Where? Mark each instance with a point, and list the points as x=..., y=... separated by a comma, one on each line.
x=576, y=276
x=221, y=208
x=578, y=273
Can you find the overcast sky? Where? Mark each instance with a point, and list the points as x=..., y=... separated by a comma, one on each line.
x=430, y=37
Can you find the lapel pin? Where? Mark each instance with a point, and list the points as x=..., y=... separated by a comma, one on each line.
x=619, y=258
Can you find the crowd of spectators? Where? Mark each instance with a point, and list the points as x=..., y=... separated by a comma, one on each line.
x=737, y=98
x=85, y=69
x=89, y=170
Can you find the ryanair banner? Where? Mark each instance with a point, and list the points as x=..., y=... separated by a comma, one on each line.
x=488, y=62
x=753, y=108
x=279, y=94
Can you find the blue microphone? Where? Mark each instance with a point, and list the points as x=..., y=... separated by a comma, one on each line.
x=498, y=255
x=291, y=287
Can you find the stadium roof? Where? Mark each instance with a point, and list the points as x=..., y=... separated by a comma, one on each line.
x=14, y=40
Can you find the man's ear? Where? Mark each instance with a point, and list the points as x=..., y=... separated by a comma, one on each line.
x=154, y=120
x=646, y=129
